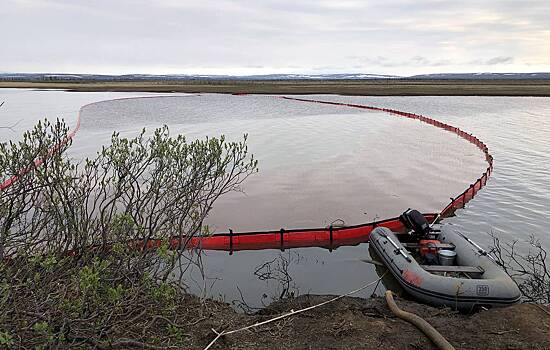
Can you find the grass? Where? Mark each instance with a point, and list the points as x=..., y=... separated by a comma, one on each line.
x=343, y=87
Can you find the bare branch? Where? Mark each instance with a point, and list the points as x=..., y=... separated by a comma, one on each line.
x=526, y=263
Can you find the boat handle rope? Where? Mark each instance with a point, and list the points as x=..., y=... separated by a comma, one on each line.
x=398, y=250
x=480, y=250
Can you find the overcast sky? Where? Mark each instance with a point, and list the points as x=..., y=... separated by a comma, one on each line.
x=401, y=37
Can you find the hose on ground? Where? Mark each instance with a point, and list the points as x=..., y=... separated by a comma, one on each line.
x=419, y=323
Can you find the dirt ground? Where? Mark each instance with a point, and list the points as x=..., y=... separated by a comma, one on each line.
x=355, y=323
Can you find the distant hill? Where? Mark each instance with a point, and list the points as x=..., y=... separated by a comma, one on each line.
x=142, y=77
x=348, y=76
x=482, y=76
x=273, y=77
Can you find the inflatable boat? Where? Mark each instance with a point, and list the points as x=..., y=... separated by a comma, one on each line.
x=442, y=267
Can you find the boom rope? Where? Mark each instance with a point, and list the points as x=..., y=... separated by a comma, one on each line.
x=328, y=237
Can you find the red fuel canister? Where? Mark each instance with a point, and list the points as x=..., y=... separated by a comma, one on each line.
x=428, y=246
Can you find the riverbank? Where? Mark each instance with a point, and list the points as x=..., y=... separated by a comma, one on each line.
x=355, y=323
x=50, y=303
x=342, y=87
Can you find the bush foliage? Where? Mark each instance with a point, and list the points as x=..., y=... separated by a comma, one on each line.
x=73, y=271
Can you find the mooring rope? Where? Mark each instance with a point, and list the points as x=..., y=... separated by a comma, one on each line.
x=292, y=312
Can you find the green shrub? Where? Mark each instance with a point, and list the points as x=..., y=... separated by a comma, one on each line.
x=74, y=271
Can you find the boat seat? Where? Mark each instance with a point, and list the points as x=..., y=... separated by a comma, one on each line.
x=447, y=246
x=475, y=270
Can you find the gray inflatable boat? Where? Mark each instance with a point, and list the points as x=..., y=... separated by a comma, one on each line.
x=459, y=273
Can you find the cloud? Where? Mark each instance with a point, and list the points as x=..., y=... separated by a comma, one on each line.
x=416, y=61
x=424, y=62
x=238, y=36
x=493, y=61
x=500, y=60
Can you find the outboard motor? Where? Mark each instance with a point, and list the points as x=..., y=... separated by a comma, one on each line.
x=415, y=221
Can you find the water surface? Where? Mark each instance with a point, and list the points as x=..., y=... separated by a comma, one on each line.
x=321, y=163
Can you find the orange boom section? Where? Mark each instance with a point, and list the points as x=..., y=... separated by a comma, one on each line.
x=328, y=237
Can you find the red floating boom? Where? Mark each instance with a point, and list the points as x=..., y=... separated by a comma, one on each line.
x=328, y=237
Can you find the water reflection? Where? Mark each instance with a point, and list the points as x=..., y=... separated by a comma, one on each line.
x=276, y=275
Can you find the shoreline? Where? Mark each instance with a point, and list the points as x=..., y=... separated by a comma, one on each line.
x=507, y=88
x=357, y=323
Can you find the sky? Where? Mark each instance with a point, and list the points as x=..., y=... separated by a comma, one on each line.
x=241, y=37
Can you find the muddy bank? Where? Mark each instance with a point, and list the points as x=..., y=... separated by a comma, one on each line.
x=355, y=323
